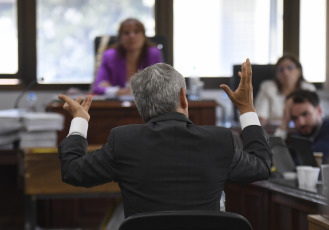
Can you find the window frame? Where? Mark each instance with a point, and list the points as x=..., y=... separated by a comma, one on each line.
x=27, y=51
x=26, y=13
x=18, y=74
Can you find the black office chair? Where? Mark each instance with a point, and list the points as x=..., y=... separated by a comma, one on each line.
x=183, y=220
x=259, y=74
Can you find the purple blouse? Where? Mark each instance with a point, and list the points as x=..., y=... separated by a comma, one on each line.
x=113, y=68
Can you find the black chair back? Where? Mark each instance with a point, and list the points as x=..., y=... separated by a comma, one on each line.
x=183, y=220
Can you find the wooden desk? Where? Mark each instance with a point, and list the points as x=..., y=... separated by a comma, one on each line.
x=317, y=222
x=41, y=177
x=11, y=195
x=274, y=204
x=106, y=115
x=8, y=157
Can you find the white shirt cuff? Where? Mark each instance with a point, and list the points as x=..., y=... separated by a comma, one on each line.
x=247, y=119
x=112, y=90
x=79, y=126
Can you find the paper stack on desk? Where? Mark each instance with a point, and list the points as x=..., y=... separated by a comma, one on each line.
x=42, y=121
x=10, y=126
x=32, y=129
x=38, y=139
x=40, y=129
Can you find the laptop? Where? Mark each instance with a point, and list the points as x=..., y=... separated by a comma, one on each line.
x=281, y=157
x=302, y=151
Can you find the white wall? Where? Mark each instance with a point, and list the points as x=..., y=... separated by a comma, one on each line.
x=8, y=99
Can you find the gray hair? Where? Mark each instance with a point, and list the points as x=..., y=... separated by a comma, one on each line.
x=156, y=90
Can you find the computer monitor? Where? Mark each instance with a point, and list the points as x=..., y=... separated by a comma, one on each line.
x=302, y=151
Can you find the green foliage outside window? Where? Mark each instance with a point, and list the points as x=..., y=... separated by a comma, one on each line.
x=66, y=30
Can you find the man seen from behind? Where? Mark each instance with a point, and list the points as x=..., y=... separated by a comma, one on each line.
x=168, y=163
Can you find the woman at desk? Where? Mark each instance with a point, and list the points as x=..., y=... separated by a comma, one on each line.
x=270, y=100
x=131, y=53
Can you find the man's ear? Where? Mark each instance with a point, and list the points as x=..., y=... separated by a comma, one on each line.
x=319, y=109
x=183, y=99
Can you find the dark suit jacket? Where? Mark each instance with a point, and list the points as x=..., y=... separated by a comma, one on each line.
x=168, y=163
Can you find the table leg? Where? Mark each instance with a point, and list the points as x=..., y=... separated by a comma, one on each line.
x=30, y=212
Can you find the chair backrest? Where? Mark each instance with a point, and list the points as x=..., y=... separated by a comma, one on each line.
x=192, y=219
x=259, y=74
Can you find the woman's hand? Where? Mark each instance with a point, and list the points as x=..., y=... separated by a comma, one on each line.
x=104, y=84
x=125, y=91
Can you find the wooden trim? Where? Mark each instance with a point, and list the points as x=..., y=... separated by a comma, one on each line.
x=164, y=24
x=28, y=42
x=291, y=27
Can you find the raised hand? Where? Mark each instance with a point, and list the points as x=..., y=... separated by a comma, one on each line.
x=76, y=108
x=242, y=97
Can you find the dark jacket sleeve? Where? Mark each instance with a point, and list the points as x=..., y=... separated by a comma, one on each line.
x=252, y=161
x=84, y=169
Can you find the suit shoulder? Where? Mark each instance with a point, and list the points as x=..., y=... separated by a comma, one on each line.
x=125, y=128
x=308, y=86
x=110, y=53
x=213, y=129
x=268, y=84
x=154, y=51
x=325, y=124
x=269, y=87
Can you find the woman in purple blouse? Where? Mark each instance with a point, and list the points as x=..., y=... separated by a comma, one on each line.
x=133, y=52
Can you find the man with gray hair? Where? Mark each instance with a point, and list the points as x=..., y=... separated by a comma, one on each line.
x=168, y=163
x=157, y=90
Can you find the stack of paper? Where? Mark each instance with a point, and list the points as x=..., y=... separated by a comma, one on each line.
x=10, y=126
x=38, y=139
x=40, y=129
x=43, y=121
x=31, y=129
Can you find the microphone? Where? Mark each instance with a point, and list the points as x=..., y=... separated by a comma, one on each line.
x=29, y=86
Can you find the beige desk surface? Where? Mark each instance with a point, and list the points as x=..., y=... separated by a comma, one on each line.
x=317, y=222
x=41, y=175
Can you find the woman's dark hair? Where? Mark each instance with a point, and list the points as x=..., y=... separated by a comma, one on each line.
x=298, y=65
x=141, y=27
